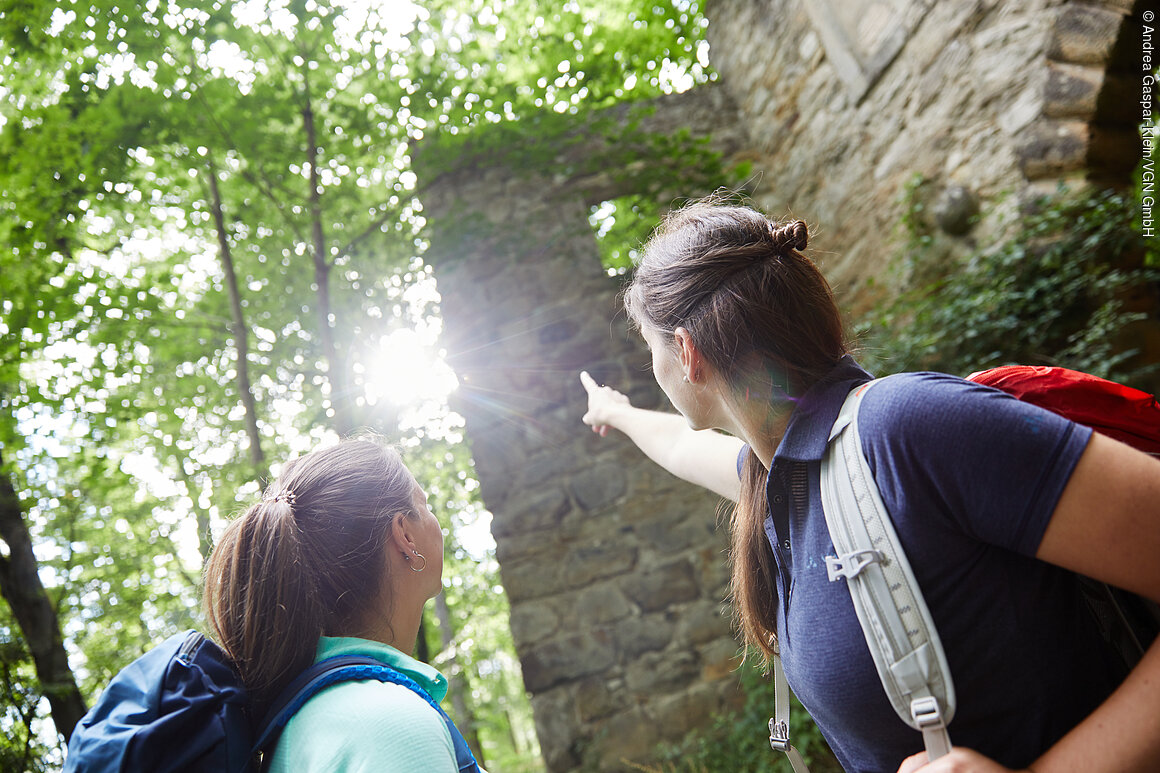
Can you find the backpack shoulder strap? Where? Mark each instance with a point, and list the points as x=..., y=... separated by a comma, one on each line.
x=894, y=617
x=347, y=668
x=779, y=722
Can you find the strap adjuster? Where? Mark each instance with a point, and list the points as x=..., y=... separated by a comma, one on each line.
x=779, y=735
x=926, y=713
x=851, y=564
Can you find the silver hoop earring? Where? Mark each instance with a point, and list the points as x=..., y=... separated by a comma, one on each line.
x=418, y=555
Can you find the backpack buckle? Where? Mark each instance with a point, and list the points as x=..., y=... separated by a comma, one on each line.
x=851, y=564
x=926, y=713
x=779, y=736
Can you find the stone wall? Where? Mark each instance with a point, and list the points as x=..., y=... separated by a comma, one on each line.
x=614, y=569
x=986, y=100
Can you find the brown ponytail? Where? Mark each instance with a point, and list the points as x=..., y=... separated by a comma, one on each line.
x=304, y=562
x=764, y=317
x=753, y=587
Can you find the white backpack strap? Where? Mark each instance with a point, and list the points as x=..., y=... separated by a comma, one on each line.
x=895, y=620
x=779, y=724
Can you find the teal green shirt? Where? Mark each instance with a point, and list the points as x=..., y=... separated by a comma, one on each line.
x=366, y=725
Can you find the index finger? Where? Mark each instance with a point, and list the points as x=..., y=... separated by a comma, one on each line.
x=587, y=381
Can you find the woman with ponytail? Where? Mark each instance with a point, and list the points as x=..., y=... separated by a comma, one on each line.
x=995, y=502
x=338, y=558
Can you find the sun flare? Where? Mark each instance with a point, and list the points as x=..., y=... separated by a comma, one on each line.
x=408, y=371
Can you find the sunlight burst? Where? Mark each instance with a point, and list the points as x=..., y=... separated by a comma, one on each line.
x=408, y=371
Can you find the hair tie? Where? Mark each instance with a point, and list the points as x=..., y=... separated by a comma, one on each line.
x=285, y=495
x=792, y=236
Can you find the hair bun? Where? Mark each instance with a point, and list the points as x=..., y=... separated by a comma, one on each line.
x=793, y=235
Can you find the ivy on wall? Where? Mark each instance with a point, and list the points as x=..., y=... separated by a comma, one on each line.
x=1072, y=286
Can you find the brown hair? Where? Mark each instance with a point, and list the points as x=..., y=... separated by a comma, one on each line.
x=763, y=316
x=306, y=561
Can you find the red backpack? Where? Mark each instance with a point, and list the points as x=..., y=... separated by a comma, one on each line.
x=1126, y=414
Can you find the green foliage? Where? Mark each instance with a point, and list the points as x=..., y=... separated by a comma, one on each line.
x=140, y=144
x=21, y=748
x=1061, y=290
x=480, y=62
x=739, y=740
x=621, y=226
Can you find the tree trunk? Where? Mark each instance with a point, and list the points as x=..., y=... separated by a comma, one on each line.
x=241, y=331
x=457, y=683
x=340, y=397
x=21, y=587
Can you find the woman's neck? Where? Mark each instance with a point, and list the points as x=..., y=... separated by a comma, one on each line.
x=400, y=629
x=761, y=424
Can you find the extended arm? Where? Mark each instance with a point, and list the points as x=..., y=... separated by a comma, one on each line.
x=1106, y=526
x=704, y=457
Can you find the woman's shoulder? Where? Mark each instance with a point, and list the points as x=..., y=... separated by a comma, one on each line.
x=924, y=383
x=918, y=397
x=922, y=408
x=368, y=725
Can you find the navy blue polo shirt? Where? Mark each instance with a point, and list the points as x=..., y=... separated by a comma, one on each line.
x=970, y=477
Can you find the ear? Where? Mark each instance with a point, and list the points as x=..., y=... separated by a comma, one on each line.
x=689, y=355
x=402, y=534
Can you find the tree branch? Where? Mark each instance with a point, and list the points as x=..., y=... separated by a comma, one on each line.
x=241, y=331
x=340, y=396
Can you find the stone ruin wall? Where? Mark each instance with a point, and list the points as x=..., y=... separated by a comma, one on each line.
x=989, y=101
x=614, y=569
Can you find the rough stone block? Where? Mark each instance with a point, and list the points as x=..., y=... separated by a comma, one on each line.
x=687, y=712
x=495, y=444
x=639, y=635
x=602, y=603
x=583, y=565
x=1072, y=90
x=704, y=621
x=543, y=512
x=596, y=698
x=548, y=468
x=531, y=578
x=1123, y=7
x=623, y=738
x=663, y=587
x=1026, y=109
x=655, y=673
x=560, y=660
x=598, y=487
x=1084, y=34
x=1052, y=148
x=712, y=570
x=532, y=622
x=666, y=534
x=941, y=75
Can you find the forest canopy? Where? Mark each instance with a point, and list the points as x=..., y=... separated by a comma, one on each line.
x=211, y=259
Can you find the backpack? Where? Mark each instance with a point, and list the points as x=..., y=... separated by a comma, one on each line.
x=895, y=621
x=1126, y=414
x=181, y=708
